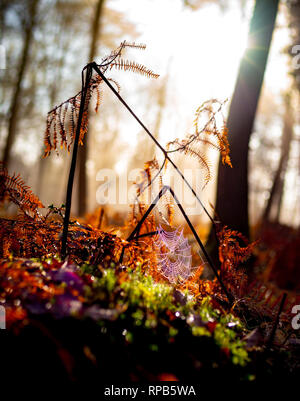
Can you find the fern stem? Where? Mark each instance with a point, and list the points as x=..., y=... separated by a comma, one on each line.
x=273, y=332
x=85, y=86
x=96, y=68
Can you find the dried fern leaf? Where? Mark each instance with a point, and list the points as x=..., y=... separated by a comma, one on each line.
x=140, y=46
x=132, y=66
x=56, y=119
x=14, y=189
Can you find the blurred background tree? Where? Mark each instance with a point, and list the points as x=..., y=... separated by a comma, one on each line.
x=232, y=189
x=27, y=14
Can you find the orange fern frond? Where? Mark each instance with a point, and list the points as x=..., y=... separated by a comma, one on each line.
x=201, y=158
x=234, y=249
x=68, y=111
x=230, y=248
x=118, y=86
x=206, y=135
x=14, y=189
x=132, y=66
x=224, y=146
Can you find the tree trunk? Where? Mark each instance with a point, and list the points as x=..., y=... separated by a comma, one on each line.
x=161, y=102
x=83, y=150
x=276, y=192
x=232, y=187
x=56, y=84
x=14, y=113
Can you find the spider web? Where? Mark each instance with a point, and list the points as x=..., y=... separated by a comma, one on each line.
x=174, y=255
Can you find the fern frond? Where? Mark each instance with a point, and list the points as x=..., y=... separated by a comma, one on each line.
x=224, y=146
x=118, y=86
x=234, y=249
x=140, y=46
x=15, y=190
x=56, y=119
x=207, y=135
x=201, y=158
x=132, y=66
x=209, y=143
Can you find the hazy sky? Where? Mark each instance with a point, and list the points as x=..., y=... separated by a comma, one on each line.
x=202, y=51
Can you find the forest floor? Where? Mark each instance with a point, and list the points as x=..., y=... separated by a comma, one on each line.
x=117, y=310
x=91, y=316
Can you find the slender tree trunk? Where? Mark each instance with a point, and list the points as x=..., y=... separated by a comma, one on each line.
x=14, y=113
x=297, y=208
x=279, y=197
x=83, y=150
x=161, y=102
x=45, y=164
x=276, y=192
x=232, y=187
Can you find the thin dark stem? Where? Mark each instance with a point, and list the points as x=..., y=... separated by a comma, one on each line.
x=152, y=180
x=140, y=223
x=96, y=68
x=94, y=65
x=149, y=210
x=85, y=86
x=150, y=234
x=272, y=335
x=101, y=214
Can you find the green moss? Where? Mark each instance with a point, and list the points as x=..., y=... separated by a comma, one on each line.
x=108, y=280
x=142, y=291
x=148, y=306
x=227, y=339
x=200, y=331
x=173, y=332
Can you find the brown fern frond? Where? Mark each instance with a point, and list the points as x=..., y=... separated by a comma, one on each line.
x=150, y=167
x=192, y=151
x=132, y=66
x=208, y=109
x=206, y=135
x=56, y=119
x=208, y=142
x=99, y=98
x=165, y=207
x=224, y=146
x=140, y=46
x=118, y=86
x=14, y=189
x=230, y=246
x=234, y=249
x=201, y=158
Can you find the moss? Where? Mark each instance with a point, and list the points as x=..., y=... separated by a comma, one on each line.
x=200, y=331
x=227, y=339
x=152, y=306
